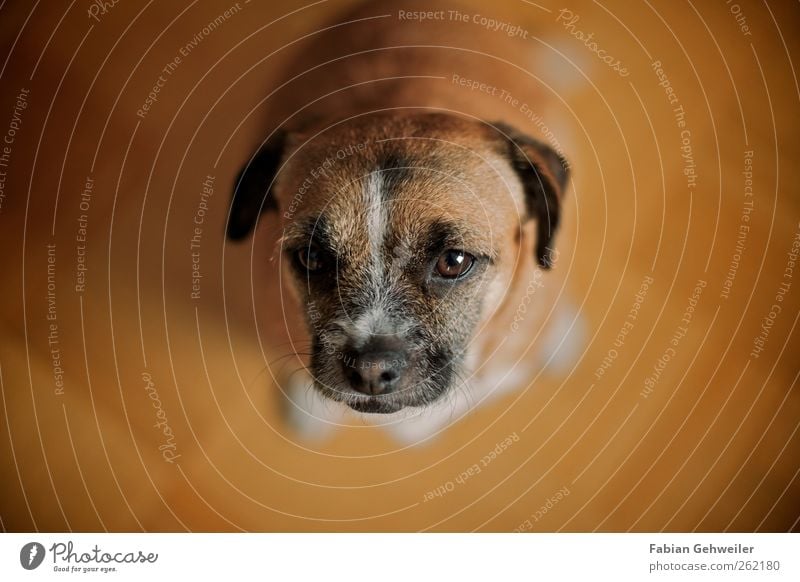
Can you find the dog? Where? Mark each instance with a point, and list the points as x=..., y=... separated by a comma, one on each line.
x=417, y=215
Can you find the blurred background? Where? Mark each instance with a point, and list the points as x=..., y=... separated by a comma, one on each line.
x=129, y=404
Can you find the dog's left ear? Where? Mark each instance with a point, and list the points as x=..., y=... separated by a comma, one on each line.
x=544, y=175
x=252, y=192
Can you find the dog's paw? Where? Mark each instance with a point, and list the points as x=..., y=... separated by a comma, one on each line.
x=565, y=340
x=307, y=414
x=415, y=430
x=420, y=426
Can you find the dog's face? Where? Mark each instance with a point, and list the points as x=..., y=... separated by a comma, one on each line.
x=401, y=235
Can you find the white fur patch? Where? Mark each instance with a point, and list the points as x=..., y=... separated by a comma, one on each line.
x=376, y=223
x=374, y=320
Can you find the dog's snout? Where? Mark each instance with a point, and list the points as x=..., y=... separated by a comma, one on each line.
x=377, y=368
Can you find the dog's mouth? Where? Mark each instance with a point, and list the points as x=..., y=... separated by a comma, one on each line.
x=374, y=405
x=379, y=403
x=417, y=393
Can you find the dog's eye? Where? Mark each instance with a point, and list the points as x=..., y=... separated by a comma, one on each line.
x=311, y=258
x=453, y=264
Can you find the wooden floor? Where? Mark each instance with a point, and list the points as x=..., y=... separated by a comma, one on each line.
x=129, y=405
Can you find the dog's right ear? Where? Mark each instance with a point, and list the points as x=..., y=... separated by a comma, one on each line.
x=252, y=192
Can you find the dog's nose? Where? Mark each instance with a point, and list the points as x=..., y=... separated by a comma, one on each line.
x=375, y=369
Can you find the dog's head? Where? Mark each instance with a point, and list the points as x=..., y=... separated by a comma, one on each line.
x=401, y=234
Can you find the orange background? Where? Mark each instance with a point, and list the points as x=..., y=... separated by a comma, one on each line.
x=714, y=447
